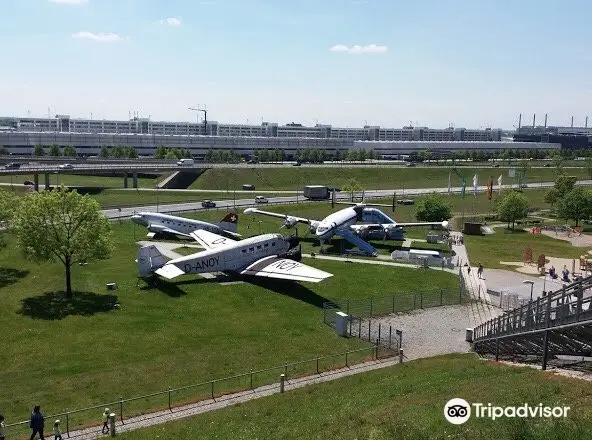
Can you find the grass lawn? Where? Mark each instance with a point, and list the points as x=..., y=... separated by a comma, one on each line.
x=73, y=354
x=80, y=180
x=506, y=245
x=369, y=178
x=401, y=402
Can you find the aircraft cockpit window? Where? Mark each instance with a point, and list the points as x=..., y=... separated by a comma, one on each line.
x=259, y=247
x=251, y=249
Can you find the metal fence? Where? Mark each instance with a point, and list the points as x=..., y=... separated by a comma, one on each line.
x=569, y=305
x=401, y=302
x=170, y=398
x=381, y=335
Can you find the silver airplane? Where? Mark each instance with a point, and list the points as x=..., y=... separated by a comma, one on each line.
x=169, y=224
x=268, y=255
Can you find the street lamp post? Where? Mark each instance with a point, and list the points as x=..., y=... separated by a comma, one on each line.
x=531, y=286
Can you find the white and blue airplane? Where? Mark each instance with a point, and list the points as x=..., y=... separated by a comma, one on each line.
x=343, y=224
x=165, y=224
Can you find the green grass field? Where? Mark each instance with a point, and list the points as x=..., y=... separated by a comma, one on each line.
x=70, y=355
x=79, y=180
x=506, y=245
x=369, y=178
x=400, y=402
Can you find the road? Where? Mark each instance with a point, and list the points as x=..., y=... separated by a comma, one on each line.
x=244, y=203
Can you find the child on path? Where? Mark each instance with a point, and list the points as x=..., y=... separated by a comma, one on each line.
x=57, y=432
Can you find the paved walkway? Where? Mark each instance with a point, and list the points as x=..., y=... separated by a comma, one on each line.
x=377, y=260
x=181, y=412
x=575, y=239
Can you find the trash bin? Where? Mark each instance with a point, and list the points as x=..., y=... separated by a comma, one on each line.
x=341, y=321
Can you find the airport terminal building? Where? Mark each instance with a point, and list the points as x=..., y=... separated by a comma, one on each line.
x=20, y=135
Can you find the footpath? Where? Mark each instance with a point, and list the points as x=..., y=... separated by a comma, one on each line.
x=181, y=412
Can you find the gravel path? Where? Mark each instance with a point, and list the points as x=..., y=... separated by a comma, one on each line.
x=428, y=332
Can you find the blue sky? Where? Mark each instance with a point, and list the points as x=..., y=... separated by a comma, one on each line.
x=474, y=63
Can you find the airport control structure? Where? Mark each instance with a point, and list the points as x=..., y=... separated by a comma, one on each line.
x=20, y=135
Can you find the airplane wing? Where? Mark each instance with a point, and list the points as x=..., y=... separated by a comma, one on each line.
x=444, y=224
x=283, y=268
x=156, y=229
x=292, y=218
x=169, y=271
x=210, y=240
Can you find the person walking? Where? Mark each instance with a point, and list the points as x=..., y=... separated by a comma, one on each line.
x=57, y=432
x=37, y=423
x=480, y=271
x=2, y=427
x=105, y=429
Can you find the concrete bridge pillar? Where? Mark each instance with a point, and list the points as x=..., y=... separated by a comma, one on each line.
x=36, y=181
x=125, y=180
x=46, y=181
x=135, y=179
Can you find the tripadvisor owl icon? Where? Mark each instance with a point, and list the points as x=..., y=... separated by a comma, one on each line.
x=457, y=411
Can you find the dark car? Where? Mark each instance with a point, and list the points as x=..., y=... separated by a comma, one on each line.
x=297, y=164
x=12, y=165
x=208, y=204
x=28, y=182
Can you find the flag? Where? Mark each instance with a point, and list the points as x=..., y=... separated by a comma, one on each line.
x=490, y=188
x=475, y=184
x=449, y=187
x=499, y=183
x=464, y=185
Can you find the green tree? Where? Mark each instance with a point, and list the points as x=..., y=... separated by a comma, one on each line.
x=63, y=225
x=511, y=207
x=38, y=151
x=352, y=186
x=557, y=162
x=130, y=152
x=337, y=155
x=170, y=154
x=352, y=155
x=433, y=208
x=522, y=169
x=576, y=205
x=104, y=153
x=210, y=155
x=9, y=204
x=588, y=165
x=118, y=152
x=3, y=151
x=564, y=184
x=160, y=152
x=69, y=151
x=552, y=196
x=54, y=150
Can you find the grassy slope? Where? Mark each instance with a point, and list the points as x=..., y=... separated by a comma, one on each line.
x=182, y=333
x=506, y=245
x=369, y=178
x=401, y=402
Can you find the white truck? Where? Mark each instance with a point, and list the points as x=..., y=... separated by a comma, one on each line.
x=316, y=192
x=186, y=162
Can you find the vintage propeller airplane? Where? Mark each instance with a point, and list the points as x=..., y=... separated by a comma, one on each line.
x=343, y=224
x=268, y=255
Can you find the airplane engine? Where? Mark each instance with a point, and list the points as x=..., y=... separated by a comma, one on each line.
x=290, y=222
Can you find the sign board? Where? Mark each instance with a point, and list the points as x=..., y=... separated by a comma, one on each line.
x=512, y=172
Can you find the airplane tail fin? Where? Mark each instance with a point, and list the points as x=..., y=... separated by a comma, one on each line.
x=229, y=222
x=148, y=260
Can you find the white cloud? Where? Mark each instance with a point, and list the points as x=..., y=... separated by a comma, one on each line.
x=370, y=48
x=100, y=37
x=171, y=21
x=69, y=2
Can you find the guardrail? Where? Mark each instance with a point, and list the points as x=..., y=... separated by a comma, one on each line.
x=100, y=167
x=566, y=306
x=173, y=397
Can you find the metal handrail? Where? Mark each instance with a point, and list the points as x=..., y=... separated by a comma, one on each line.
x=211, y=383
x=553, y=310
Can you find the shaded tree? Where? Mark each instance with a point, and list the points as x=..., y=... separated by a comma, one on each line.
x=552, y=196
x=38, y=151
x=352, y=186
x=3, y=151
x=54, y=150
x=564, y=184
x=63, y=225
x=69, y=151
x=433, y=208
x=511, y=207
x=588, y=166
x=104, y=153
x=575, y=205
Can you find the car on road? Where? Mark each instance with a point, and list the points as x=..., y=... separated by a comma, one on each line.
x=29, y=182
x=66, y=166
x=12, y=166
x=261, y=199
x=208, y=204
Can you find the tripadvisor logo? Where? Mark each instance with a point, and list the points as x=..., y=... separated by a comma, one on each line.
x=458, y=411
